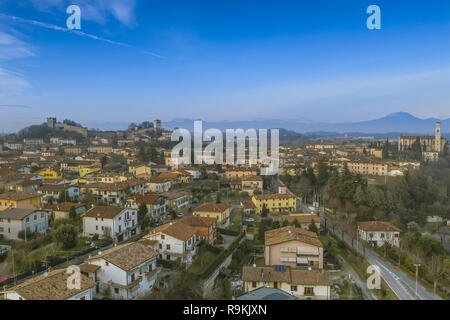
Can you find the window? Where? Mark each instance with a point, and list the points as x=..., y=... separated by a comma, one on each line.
x=162, y=236
x=275, y=285
x=293, y=288
x=27, y=220
x=106, y=263
x=116, y=290
x=253, y=284
x=133, y=277
x=382, y=235
x=309, y=291
x=168, y=247
x=35, y=217
x=1, y=229
x=160, y=246
x=96, y=227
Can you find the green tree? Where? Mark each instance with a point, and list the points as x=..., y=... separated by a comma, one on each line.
x=73, y=213
x=66, y=235
x=313, y=227
x=323, y=172
x=142, y=212
x=223, y=291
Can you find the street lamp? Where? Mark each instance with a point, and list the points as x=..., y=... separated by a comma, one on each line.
x=417, y=265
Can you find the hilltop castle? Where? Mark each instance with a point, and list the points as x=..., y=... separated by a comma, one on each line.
x=429, y=143
x=51, y=123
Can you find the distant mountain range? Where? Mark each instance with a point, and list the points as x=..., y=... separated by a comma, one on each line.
x=392, y=124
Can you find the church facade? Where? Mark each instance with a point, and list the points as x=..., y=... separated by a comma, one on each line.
x=434, y=143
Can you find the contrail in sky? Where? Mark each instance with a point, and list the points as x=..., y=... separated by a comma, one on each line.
x=80, y=33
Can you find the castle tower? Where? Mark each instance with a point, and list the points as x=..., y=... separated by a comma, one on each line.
x=437, y=137
x=51, y=123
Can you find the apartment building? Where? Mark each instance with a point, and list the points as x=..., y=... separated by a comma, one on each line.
x=110, y=221
x=293, y=247
x=305, y=284
x=276, y=202
x=175, y=241
x=128, y=269
x=368, y=168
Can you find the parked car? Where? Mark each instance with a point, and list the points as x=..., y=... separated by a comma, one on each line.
x=179, y=215
x=249, y=220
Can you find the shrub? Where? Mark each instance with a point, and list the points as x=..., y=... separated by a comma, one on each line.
x=213, y=249
x=228, y=232
x=66, y=235
x=95, y=237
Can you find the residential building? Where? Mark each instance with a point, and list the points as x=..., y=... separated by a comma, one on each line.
x=51, y=193
x=110, y=221
x=252, y=183
x=62, y=210
x=52, y=286
x=293, y=247
x=220, y=211
x=304, y=220
x=23, y=200
x=156, y=204
x=307, y=284
x=176, y=241
x=371, y=168
x=206, y=227
x=177, y=200
x=378, y=232
x=275, y=202
x=12, y=221
x=128, y=269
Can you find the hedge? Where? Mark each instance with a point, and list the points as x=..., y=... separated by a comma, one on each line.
x=222, y=256
x=213, y=249
x=228, y=232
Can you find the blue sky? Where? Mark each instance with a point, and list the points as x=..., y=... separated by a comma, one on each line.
x=222, y=60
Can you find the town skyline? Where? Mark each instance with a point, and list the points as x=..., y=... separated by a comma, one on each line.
x=271, y=62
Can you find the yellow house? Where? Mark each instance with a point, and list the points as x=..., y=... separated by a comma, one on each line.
x=376, y=153
x=220, y=211
x=86, y=171
x=22, y=200
x=49, y=173
x=275, y=202
x=139, y=169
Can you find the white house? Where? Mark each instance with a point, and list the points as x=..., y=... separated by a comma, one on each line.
x=116, y=222
x=314, y=284
x=51, y=193
x=52, y=286
x=14, y=220
x=158, y=184
x=379, y=232
x=175, y=241
x=128, y=269
x=156, y=204
x=195, y=173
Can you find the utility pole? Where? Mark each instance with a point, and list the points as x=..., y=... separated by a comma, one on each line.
x=417, y=265
x=14, y=269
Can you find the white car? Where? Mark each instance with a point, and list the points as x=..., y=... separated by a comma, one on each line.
x=179, y=215
x=249, y=220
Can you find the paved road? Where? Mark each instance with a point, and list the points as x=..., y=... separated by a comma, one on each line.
x=400, y=283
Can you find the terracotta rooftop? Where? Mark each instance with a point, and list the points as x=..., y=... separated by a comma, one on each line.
x=108, y=212
x=148, y=199
x=212, y=207
x=127, y=256
x=377, y=226
x=273, y=196
x=52, y=287
x=302, y=218
x=16, y=213
x=176, y=230
x=290, y=233
x=17, y=196
x=196, y=221
x=290, y=275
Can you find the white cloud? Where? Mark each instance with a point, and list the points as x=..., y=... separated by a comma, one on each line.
x=13, y=48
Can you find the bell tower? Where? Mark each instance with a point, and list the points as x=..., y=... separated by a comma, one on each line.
x=437, y=137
